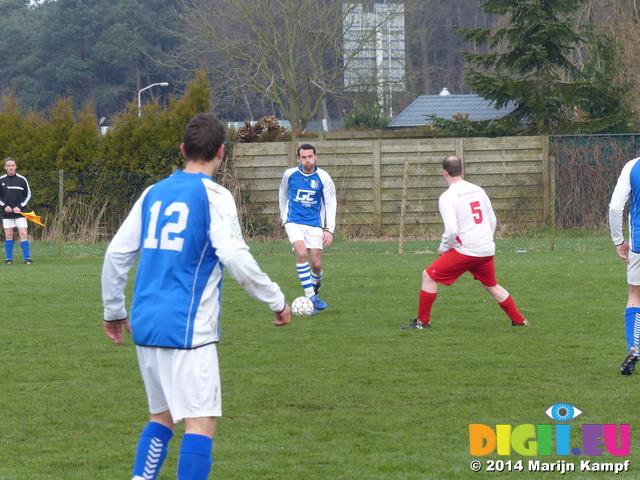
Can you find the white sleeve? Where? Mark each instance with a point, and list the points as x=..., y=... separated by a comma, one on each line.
x=283, y=195
x=492, y=215
x=618, y=201
x=448, y=213
x=330, y=203
x=118, y=260
x=233, y=252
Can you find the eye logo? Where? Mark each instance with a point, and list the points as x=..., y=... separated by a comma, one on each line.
x=563, y=412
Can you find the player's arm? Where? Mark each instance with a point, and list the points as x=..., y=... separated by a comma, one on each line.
x=331, y=207
x=283, y=195
x=491, y=216
x=226, y=237
x=27, y=193
x=619, y=199
x=114, y=328
x=118, y=260
x=448, y=214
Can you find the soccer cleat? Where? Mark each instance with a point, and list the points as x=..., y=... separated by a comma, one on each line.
x=317, y=303
x=525, y=323
x=629, y=362
x=417, y=324
x=28, y=261
x=8, y=261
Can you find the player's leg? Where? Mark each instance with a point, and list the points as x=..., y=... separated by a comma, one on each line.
x=632, y=316
x=8, y=224
x=313, y=244
x=315, y=258
x=303, y=268
x=153, y=446
x=508, y=305
x=197, y=400
x=445, y=270
x=485, y=272
x=24, y=239
x=195, y=459
x=296, y=237
x=428, y=295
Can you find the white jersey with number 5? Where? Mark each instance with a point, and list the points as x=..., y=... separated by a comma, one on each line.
x=469, y=220
x=187, y=231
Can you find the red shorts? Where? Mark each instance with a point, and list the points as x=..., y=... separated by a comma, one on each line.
x=448, y=268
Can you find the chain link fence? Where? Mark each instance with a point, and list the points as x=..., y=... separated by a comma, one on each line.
x=395, y=212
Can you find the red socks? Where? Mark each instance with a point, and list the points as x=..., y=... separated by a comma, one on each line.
x=425, y=304
x=509, y=307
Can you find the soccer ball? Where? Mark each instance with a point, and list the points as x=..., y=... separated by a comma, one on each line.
x=302, y=307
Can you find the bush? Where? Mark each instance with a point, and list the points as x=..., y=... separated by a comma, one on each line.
x=365, y=117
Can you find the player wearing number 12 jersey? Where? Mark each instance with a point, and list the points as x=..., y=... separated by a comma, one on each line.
x=186, y=230
x=467, y=246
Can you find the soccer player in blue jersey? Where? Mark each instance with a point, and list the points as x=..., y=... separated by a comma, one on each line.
x=308, y=211
x=628, y=189
x=186, y=231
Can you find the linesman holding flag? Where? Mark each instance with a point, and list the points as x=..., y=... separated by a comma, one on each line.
x=14, y=197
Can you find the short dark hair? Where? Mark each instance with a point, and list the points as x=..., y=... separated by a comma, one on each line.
x=9, y=159
x=306, y=146
x=452, y=165
x=203, y=137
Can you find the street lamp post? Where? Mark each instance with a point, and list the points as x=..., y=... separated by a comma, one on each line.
x=161, y=84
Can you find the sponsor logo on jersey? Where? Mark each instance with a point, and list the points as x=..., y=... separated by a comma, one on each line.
x=305, y=197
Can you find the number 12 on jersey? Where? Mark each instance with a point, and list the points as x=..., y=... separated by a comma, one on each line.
x=169, y=238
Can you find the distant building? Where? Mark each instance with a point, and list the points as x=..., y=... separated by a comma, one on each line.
x=445, y=105
x=374, y=46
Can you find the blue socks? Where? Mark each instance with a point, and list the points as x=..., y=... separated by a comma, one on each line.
x=8, y=246
x=151, y=452
x=26, y=250
x=632, y=324
x=304, y=273
x=194, y=462
x=195, y=457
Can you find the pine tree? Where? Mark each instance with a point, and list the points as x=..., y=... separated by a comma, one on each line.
x=531, y=64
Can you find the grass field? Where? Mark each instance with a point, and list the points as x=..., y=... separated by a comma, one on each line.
x=345, y=394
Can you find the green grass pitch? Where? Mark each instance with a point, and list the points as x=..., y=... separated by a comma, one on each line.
x=345, y=394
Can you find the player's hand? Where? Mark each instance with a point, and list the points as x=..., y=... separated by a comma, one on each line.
x=283, y=317
x=7, y=209
x=114, y=329
x=327, y=238
x=623, y=250
x=16, y=210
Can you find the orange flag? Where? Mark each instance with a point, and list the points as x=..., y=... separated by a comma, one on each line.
x=33, y=217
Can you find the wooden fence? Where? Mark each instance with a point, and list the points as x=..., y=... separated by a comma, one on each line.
x=385, y=183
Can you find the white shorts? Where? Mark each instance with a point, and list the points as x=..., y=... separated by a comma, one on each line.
x=311, y=236
x=14, y=222
x=185, y=382
x=633, y=269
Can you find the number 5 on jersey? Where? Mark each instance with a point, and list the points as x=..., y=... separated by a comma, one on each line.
x=169, y=238
x=476, y=211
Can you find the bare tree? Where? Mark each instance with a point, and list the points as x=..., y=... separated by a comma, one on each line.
x=287, y=52
x=619, y=20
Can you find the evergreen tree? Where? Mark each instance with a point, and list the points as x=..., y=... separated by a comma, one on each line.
x=532, y=65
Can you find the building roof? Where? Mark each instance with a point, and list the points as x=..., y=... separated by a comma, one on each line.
x=445, y=106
